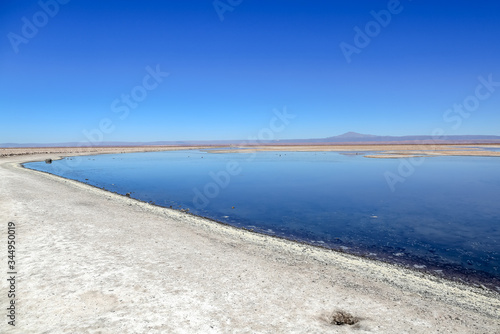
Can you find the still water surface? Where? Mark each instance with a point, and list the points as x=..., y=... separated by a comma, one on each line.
x=443, y=218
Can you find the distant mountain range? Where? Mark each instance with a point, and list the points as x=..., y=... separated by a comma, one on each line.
x=343, y=139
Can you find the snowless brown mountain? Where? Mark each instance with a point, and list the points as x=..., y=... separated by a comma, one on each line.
x=343, y=139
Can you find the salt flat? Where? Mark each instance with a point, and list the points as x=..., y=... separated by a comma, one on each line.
x=90, y=261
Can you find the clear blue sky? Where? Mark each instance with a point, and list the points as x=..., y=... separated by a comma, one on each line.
x=226, y=76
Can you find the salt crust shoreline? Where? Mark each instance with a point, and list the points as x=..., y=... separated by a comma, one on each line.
x=389, y=299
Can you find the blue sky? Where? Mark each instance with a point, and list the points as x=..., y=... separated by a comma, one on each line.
x=225, y=77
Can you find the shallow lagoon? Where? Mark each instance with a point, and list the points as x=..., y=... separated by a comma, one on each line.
x=444, y=217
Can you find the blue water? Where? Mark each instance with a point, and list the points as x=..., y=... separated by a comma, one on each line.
x=486, y=148
x=443, y=214
x=494, y=149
